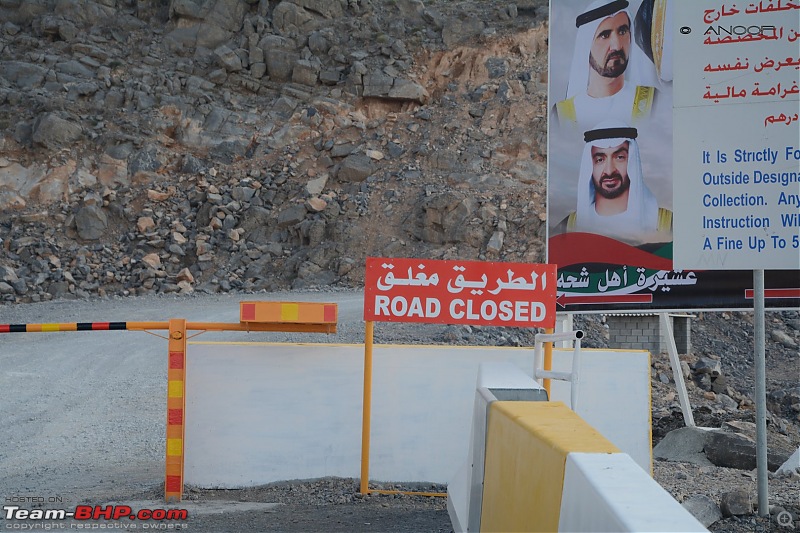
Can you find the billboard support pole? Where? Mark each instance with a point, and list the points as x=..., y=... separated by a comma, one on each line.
x=761, y=392
x=677, y=374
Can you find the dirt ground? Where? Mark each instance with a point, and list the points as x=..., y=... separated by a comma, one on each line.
x=377, y=515
x=332, y=505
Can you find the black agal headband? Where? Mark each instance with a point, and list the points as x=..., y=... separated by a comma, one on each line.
x=600, y=12
x=610, y=133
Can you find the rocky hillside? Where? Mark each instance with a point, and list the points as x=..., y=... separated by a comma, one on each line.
x=155, y=147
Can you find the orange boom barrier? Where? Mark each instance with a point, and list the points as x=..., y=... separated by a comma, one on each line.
x=293, y=317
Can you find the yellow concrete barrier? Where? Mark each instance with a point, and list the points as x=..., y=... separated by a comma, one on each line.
x=527, y=445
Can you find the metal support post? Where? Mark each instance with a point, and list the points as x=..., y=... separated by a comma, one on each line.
x=367, y=407
x=761, y=392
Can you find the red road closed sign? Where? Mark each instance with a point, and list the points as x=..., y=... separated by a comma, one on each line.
x=460, y=292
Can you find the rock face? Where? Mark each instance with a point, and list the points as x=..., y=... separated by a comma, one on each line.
x=234, y=145
x=254, y=144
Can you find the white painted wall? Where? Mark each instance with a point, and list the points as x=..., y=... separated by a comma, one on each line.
x=614, y=397
x=258, y=413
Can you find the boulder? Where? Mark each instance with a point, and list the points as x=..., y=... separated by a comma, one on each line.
x=8, y=274
x=408, y=90
x=703, y=508
x=736, y=503
x=152, y=260
x=377, y=84
x=318, y=43
x=290, y=18
x=23, y=75
x=145, y=225
x=280, y=64
x=228, y=59
x=146, y=160
x=495, y=243
x=292, y=215
x=783, y=338
x=305, y=73
x=706, y=365
x=355, y=168
x=315, y=186
x=735, y=450
x=91, y=222
x=53, y=132
x=683, y=444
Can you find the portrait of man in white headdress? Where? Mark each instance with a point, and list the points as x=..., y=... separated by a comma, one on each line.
x=613, y=198
x=610, y=77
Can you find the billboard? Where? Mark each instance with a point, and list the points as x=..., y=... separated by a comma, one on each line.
x=459, y=292
x=613, y=200
x=737, y=162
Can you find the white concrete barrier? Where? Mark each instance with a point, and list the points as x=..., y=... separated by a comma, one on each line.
x=538, y=466
x=547, y=470
x=792, y=464
x=609, y=492
x=613, y=382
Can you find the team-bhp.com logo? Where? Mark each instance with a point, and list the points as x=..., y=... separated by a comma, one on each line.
x=93, y=512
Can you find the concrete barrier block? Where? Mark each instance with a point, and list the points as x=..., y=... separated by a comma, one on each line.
x=526, y=450
x=610, y=492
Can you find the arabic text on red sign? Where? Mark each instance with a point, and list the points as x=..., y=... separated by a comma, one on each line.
x=460, y=292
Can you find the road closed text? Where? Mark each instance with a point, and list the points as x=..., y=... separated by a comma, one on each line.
x=476, y=293
x=458, y=309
